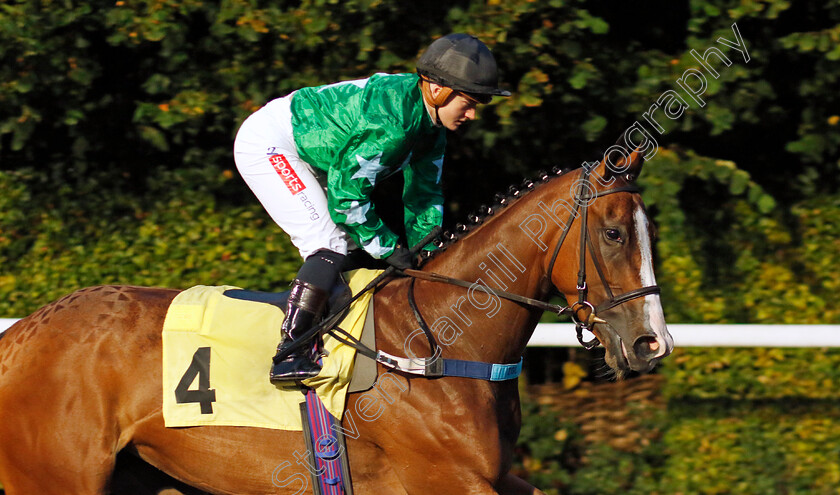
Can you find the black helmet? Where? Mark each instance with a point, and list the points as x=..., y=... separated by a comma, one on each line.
x=463, y=63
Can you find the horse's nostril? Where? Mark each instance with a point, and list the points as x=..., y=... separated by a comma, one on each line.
x=646, y=347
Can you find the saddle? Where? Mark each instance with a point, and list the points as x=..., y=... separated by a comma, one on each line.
x=364, y=370
x=217, y=349
x=341, y=294
x=335, y=310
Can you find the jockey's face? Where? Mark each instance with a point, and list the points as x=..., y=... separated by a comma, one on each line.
x=457, y=110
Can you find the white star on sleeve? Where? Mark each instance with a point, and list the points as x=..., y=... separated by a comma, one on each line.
x=375, y=248
x=369, y=169
x=356, y=214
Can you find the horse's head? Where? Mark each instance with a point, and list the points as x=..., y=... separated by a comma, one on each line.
x=615, y=296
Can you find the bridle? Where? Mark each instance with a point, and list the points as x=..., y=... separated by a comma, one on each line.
x=582, y=202
x=582, y=312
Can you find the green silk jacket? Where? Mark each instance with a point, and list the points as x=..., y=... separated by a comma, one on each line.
x=358, y=133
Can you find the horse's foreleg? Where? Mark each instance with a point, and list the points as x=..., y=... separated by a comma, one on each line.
x=513, y=485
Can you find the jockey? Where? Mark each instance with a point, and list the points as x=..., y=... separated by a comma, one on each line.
x=313, y=157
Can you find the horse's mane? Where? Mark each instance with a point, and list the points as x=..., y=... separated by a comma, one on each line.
x=500, y=201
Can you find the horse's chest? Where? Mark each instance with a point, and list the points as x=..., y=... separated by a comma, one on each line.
x=487, y=415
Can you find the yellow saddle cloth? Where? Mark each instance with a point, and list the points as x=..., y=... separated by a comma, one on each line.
x=217, y=355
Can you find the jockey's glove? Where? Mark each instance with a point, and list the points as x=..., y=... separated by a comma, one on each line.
x=401, y=258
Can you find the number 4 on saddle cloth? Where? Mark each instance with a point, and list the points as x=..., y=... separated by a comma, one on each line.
x=217, y=352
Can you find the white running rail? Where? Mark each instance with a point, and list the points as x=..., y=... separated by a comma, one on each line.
x=689, y=335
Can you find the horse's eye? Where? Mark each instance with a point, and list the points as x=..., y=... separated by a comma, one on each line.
x=613, y=235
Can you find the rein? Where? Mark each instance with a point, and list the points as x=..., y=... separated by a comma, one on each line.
x=582, y=312
x=528, y=301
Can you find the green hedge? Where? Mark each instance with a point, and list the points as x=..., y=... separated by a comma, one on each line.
x=753, y=374
x=175, y=235
x=704, y=447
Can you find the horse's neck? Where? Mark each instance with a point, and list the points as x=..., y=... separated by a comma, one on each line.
x=499, y=255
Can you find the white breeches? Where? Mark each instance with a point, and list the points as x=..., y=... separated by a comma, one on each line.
x=266, y=156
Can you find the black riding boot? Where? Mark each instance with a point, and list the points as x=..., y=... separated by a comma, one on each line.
x=306, y=303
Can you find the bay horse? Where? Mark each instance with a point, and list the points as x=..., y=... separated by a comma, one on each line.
x=80, y=379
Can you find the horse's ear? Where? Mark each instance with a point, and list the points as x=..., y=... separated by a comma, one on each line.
x=622, y=160
x=629, y=166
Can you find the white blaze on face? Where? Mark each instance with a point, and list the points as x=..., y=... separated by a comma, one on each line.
x=654, y=317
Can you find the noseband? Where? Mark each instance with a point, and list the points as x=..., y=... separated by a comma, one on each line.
x=583, y=306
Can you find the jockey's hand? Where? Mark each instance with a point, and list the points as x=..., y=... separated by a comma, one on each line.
x=401, y=258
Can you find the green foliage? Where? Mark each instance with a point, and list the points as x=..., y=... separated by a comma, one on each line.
x=548, y=448
x=737, y=258
x=110, y=95
x=174, y=236
x=753, y=448
x=753, y=374
x=613, y=472
x=819, y=223
x=707, y=447
x=116, y=123
x=555, y=457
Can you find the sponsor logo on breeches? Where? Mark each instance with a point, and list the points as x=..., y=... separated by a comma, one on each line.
x=293, y=183
x=287, y=173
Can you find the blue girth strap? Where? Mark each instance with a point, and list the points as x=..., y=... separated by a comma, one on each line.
x=478, y=370
x=439, y=367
